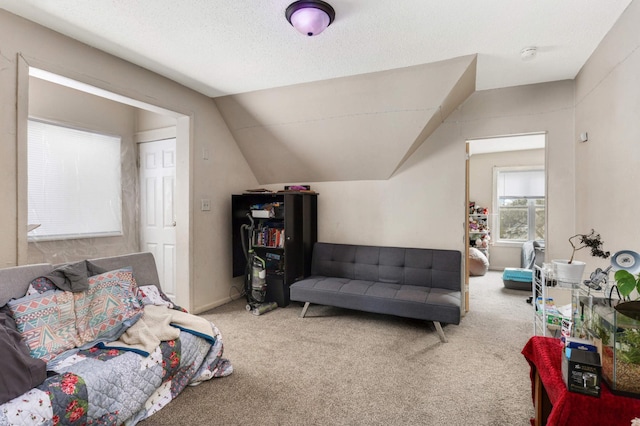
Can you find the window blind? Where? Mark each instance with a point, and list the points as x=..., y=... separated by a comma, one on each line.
x=74, y=182
x=520, y=184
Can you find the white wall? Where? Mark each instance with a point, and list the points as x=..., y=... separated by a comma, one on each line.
x=481, y=191
x=608, y=165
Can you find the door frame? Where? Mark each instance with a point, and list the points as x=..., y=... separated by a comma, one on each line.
x=466, y=228
x=467, y=191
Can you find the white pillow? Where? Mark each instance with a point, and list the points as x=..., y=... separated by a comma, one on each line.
x=478, y=262
x=151, y=295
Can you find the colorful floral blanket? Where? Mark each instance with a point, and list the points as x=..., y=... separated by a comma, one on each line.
x=112, y=387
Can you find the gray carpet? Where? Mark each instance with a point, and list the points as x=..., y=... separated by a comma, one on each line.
x=341, y=367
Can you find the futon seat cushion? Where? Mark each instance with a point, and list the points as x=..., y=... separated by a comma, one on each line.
x=409, y=301
x=415, y=283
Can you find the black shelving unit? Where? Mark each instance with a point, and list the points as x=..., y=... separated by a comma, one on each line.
x=288, y=259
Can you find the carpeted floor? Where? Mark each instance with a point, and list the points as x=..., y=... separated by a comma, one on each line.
x=341, y=367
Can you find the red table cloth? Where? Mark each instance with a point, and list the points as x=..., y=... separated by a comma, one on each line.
x=570, y=408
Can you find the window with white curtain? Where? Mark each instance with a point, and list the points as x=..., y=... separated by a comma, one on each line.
x=519, y=203
x=74, y=183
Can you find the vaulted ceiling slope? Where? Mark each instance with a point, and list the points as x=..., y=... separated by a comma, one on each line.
x=351, y=128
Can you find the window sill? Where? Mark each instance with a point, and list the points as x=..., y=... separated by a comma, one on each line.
x=37, y=239
x=506, y=243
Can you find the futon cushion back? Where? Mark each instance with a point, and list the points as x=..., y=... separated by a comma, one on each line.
x=404, y=266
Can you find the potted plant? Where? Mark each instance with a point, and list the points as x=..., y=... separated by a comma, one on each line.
x=571, y=270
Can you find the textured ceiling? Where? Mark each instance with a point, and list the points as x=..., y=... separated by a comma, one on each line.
x=221, y=47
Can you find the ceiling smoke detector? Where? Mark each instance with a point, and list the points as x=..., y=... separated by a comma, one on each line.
x=528, y=53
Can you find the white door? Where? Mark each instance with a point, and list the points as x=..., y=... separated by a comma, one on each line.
x=157, y=210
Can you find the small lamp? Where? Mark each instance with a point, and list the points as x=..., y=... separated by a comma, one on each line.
x=310, y=17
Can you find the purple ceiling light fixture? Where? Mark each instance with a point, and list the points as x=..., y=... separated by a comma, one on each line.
x=310, y=17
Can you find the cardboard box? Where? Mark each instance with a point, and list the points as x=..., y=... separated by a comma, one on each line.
x=261, y=214
x=554, y=318
x=581, y=371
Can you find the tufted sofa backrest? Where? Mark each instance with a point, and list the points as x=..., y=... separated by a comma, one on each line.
x=396, y=265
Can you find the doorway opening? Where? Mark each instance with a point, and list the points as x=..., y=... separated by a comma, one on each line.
x=505, y=198
x=32, y=74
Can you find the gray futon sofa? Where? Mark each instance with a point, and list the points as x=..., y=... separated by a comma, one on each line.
x=415, y=283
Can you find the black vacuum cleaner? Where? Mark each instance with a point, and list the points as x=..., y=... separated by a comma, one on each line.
x=255, y=277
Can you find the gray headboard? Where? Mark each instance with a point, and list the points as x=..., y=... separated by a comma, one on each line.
x=144, y=266
x=14, y=281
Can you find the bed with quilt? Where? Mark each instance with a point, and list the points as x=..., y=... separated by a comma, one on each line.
x=97, y=342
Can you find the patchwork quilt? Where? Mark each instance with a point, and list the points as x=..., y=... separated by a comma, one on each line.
x=115, y=353
x=113, y=386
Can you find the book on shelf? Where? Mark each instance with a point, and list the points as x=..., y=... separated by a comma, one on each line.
x=269, y=237
x=275, y=263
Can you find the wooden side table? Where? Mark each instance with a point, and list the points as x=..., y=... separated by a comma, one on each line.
x=541, y=402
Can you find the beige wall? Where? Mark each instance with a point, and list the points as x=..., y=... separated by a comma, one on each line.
x=608, y=165
x=481, y=191
x=147, y=121
x=203, y=244
x=419, y=205
x=62, y=105
x=534, y=108
x=363, y=127
x=423, y=205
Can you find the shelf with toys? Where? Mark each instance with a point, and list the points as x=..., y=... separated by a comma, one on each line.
x=479, y=232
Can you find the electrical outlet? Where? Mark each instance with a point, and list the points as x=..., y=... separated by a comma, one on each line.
x=205, y=204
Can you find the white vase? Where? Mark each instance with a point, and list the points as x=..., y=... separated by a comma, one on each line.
x=569, y=272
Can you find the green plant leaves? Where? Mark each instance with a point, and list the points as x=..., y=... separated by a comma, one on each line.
x=630, y=341
x=626, y=282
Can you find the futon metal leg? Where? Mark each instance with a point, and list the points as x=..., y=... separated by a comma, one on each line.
x=304, y=309
x=443, y=339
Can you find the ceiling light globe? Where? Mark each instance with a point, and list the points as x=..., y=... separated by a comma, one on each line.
x=310, y=17
x=310, y=21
